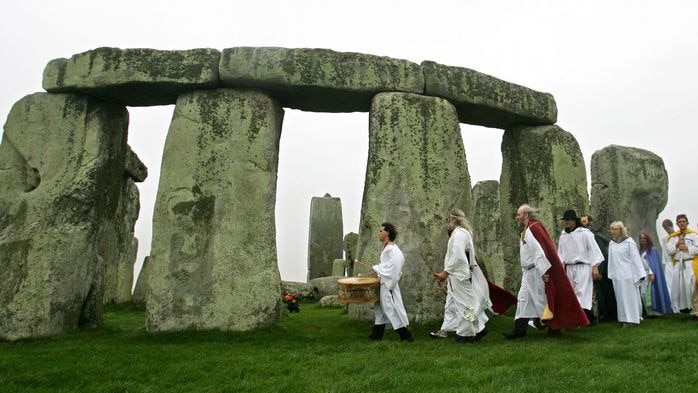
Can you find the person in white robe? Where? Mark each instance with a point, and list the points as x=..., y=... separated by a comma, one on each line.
x=668, y=265
x=467, y=297
x=627, y=273
x=581, y=255
x=390, y=308
x=682, y=247
x=531, y=300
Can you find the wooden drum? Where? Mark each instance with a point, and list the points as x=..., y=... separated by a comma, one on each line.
x=357, y=290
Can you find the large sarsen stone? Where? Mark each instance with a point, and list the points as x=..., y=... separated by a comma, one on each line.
x=62, y=163
x=213, y=262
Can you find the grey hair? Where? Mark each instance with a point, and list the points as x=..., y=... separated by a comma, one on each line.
x=530, y=211
x=458, y=216
x=623, y=229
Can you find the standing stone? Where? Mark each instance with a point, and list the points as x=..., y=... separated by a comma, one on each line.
x=350, y=241
x=416, y=173
x=325, y=243
x=121, y=246
x=213, y=258
x=140, y=292
x=542, y=166
x=339, y=267
x=62, y=157
x=630, y=185
x=488, y=229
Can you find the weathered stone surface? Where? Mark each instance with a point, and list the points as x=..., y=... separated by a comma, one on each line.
x=630, y=185
x=484, y=100
x=325, y=243
x=330, y=301
x=121, y=246
x=62, y=159
x=323, y=286
x=135, y=168
x=319, y=80
x=305, y=289
x=140, y=292
x=339, y=267
x=350, y=241
x=488, y=229
x=134, y=77
x=416, y=173
x=542, y=166
x=213, y=257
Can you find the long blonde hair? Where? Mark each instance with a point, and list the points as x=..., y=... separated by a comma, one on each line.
x=623, y=229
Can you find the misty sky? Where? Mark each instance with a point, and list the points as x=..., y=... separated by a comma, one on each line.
x=622, y=72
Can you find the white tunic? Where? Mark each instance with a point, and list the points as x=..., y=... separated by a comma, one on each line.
x=531, y=300
x=626, y=271
x=466, y=300
x=579, y=252
x=390, y=309
x=682, y=274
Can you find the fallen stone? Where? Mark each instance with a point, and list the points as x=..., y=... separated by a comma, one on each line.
x=323, y=286
x=330, y=301
x=303, y=288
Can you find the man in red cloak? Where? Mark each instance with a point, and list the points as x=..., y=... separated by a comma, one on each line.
x=546, y=295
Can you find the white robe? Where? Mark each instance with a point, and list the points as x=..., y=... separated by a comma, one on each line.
x=579, y=252
x=626, y=271
x=466, y=299
x=390, y=309
x=681, y=271
x=531, y=300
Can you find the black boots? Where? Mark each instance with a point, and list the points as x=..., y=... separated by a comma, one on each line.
x=404, y=334
x=377, y=333
x=519, y=329
x=591, y=317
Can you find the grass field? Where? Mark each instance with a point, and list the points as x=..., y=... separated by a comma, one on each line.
x=320, y=350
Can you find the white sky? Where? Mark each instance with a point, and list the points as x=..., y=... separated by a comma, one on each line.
x=622, y=72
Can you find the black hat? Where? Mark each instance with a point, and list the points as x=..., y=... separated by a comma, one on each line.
x=569, y=215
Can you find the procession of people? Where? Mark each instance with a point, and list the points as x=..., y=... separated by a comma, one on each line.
x=588, y=278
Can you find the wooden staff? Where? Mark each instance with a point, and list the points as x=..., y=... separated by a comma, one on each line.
x=433, y=273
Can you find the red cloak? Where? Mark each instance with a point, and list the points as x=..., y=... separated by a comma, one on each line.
x=567, y=313
x=501, y=298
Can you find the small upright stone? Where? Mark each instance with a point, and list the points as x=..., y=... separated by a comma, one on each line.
x=319, y=80
x=350, y=240
x=484, y=100
x=134, y=77
x=325, y=243
x=630, y=185
x=140, y=292
x=213, y=259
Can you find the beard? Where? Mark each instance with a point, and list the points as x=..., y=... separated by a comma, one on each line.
x=520, y=225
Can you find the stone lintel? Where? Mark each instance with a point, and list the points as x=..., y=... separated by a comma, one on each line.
x=134, y=77
x=484, y=100
x=319, y=80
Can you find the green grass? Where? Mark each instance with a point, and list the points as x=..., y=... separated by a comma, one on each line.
x=320, y=350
